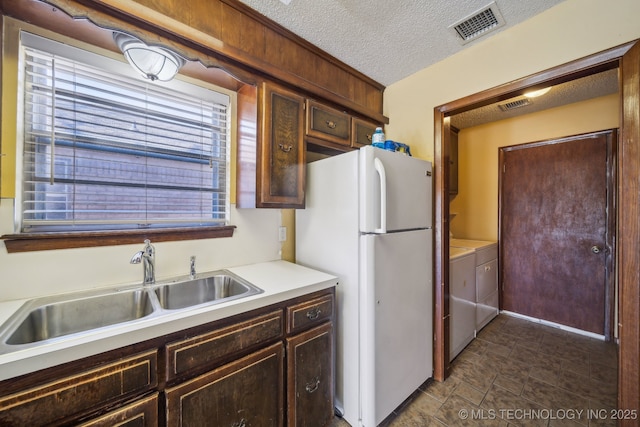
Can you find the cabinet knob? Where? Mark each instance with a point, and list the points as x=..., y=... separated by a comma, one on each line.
x=284, y=148
x=331, y=124
x=241, y=423
x=369, y=137
x=313, y=385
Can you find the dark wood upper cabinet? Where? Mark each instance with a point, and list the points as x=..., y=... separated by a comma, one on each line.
x=328, y=124
x=280, y=169
x=362, y=132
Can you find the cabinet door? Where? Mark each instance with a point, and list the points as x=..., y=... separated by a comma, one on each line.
x=281, y=154
x=247, y=392
x=310, y=378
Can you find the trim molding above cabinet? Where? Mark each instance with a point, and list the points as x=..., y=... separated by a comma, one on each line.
x=220, y=34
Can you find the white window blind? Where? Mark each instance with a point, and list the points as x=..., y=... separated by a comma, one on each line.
x=108, y=151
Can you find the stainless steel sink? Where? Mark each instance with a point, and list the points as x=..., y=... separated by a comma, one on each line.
x=43, y=319
x=54, y=319
x=216, y=287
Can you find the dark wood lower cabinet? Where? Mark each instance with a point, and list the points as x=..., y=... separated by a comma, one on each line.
x=247, y=392
x=58, y=401
x=231, y=372
x=309, y=385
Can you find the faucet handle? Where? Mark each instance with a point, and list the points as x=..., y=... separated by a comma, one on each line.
x=136, y=258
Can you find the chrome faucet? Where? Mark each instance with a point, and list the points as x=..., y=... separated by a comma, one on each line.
x=147, y=257
x=192, y=268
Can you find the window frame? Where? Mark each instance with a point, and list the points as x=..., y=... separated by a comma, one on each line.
x=50, y=240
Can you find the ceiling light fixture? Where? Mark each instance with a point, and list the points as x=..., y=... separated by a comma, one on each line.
x=152, y=62
x=536, y=93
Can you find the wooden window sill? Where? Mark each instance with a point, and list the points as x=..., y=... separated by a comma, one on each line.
x=55, y=240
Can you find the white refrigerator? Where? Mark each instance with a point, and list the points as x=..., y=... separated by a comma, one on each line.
x=368, y=221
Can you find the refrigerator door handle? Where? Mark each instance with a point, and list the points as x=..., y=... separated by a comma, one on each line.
x=379, y=167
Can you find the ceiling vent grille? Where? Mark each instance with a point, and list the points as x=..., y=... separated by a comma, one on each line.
x=512, y=105
x=478, y=24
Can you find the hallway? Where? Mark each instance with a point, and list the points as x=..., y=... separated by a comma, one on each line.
x=515, y=373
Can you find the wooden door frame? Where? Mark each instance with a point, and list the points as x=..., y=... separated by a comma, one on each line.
x=628, y=169
x=611, y=139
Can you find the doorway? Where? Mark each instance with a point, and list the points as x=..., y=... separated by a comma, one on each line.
x=557, y=226
x=626, y=58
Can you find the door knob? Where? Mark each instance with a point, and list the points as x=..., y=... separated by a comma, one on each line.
x=595, y=249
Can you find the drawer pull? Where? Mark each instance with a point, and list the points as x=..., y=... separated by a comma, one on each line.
x=331, y=124
x=313, y=385
x=314, y=313
x=284, y=148
x=241, y=423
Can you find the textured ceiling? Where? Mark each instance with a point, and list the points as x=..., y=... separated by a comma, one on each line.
x=601, y=84
x=389, y=40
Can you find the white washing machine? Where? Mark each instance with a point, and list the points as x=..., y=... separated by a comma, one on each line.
x=462, y=299
x=486, y=276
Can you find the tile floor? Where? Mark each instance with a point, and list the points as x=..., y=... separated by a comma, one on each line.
x=519, y=373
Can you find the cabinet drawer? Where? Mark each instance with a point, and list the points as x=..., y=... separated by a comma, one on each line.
x=198, y=353
x=143, y=413
x=361, y=132
x=326, y=123
x=67, y=397
x=308, y=313
x=247, y=392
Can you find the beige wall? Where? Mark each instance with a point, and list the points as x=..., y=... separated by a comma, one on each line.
x=571, y=30
x=476, y=205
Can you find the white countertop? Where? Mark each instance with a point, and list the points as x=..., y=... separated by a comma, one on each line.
x=280, y=281
x=471, y=244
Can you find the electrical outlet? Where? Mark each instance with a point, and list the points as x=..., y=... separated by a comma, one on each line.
x=282, y=234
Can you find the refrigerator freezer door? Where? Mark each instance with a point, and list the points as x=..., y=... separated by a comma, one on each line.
x=405, y=195
x=396, y=319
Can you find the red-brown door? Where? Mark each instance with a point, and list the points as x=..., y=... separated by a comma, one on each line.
x=556, y=226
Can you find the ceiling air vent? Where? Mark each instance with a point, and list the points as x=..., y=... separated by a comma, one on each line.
x=512, y=105
x=478, y=24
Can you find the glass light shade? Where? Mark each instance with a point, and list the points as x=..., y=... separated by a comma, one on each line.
x=152, y=62
x=536, y=93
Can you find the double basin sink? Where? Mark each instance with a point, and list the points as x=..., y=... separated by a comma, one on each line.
x=42, y=319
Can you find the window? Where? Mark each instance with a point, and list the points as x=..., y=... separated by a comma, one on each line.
x=106, y=150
